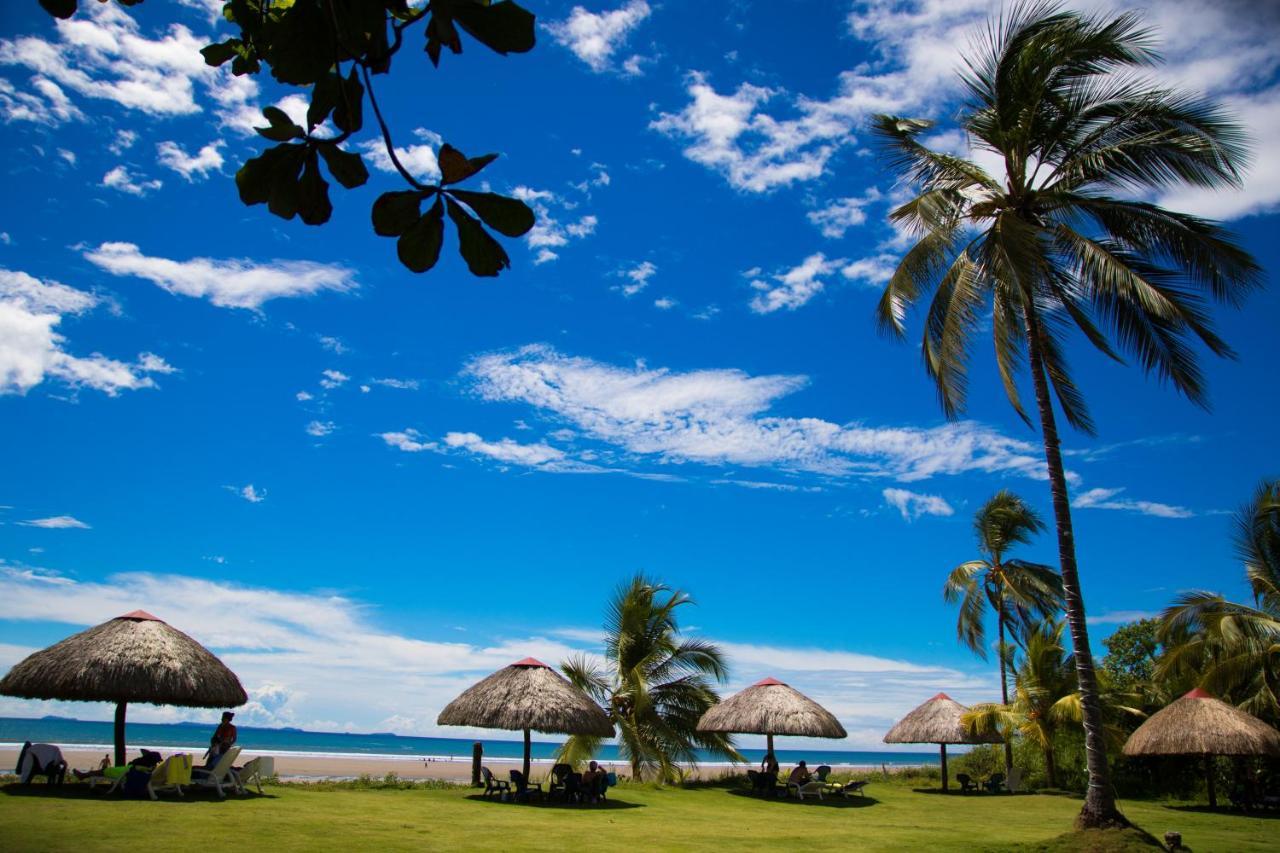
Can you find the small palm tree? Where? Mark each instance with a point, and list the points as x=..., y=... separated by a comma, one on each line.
x=654, y=684
x=1233, y=649
x=1016, y=591
x=1060, y=241
x=1047, y=696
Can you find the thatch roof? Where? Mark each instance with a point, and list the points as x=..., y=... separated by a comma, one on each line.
x=132, y=658
x=770, y=707
x=936, y=721
x=1199, y=724
x=528, y=694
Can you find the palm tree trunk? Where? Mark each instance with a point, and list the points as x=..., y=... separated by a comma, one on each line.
x=1004, y=682
x=1100, y=802
x=1050, y=767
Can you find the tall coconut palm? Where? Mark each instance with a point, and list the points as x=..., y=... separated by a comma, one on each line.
x=1015, y=590
x=1232, y=649
x=654, y=684
x=1057, y=239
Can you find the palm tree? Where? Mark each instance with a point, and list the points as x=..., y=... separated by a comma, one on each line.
x=1047, y=695
x=1060, y=241
x=654, y=684
x=1234, y=649
x=1015, y=589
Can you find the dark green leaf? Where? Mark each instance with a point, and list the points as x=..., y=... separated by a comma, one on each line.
x=314, y=206
x=455, y=166
x=419, y=246
x=255, y=178
x=353, y=120
x=282, y=127
x=300, y=49
x=502, y=27
x=483, y=254
x=395, y=212
x=59, y=8
x=216, y=54
x=508, y=216
x=283, y=200
x=441, y=33
x=325, y=95
x=346, y=167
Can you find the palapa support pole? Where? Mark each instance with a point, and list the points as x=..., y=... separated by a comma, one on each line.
x=944, y=765
x=477, y=753
x=120, y=713
x=769, y=751
x=1208, y=772
x=526, y=755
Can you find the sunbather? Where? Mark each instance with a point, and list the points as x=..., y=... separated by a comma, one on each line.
x=800, y=775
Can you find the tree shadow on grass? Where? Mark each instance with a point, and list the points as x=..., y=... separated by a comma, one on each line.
x=1227, y=811
x=74, y=792
x=543, y=803
x=833, y=801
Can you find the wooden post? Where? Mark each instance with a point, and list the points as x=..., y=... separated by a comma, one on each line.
x=477, y=753
x=944, y=765
x=120, y=713
x=526, y=755
x=1208, y=772
x=769, y=751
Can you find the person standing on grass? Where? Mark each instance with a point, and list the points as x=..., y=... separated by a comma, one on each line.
x=224, y=737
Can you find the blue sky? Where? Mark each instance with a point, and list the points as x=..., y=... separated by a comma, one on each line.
x=364, y=488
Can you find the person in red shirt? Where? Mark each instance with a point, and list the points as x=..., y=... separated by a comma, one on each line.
x=224, y=737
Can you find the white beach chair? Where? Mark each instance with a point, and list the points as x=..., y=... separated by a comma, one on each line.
x=221, y=776
x=170, y=775
x=253, y=771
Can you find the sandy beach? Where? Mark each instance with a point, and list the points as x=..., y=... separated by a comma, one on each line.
x=293, y=766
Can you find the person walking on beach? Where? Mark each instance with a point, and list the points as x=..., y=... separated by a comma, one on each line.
x=224, y=737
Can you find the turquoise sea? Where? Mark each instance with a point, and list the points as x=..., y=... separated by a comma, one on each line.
x=85, y=733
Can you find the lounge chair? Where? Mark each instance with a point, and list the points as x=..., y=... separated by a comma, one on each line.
x=220, y=776
x=558, y=780
x=966, y=783
x=848, y=789
x=170, y=775
x=253, y=771
x=816, y=784
x=41, y=759
x=494, y=785
x=524, y=788
x=995, y=783
x=1014, y=783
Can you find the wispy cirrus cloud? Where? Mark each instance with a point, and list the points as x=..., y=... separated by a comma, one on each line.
x=792, y=288
x=912, y=505
x=228, y=282
x=56, y=522
x=1109, y=499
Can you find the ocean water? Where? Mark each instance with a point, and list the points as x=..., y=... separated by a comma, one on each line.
x=86, y=734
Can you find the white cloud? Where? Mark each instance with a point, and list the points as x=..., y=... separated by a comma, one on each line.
x=399, y=384
x=56, y=522
x=120, y=178
x=319, y=429
x=45, y=104
x=68, y=156
x=912, y=505
x=664, y=303
x=123, y=141
x=595, y=37
x=227, y=283
x=303, y=396
x=333, y=378
x=505, y=450
x=637, y=276
x=175, y=157
x=419, y=160
x=753, y=150
x=873, y=271
x=1119, y=617
x=718, y=417
x=333, y=344
x=250, y=493
x=839, y=215
x=548, y=232
x=1106, y=499
x=794, y=287
x=323, y=661
x=410, y=441
x=32, y=351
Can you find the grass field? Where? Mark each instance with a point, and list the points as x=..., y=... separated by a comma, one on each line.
x=893, y=816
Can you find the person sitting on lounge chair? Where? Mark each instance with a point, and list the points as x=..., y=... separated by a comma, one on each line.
x=593, y=781
x=769, y=764
x=224, y=737
x=800, y=775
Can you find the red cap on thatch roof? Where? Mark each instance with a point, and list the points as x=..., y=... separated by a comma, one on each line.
x=940, y=696
x=765, y=682
x=1197, y=693
x=531, y=662
x=141, y=616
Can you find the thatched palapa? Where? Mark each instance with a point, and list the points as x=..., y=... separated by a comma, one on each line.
x=937, y=721
x=1199, y=724
x=770, y=707
x=132, y=658
x=528, y=695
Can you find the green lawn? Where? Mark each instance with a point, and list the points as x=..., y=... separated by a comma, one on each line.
x=288, y=818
